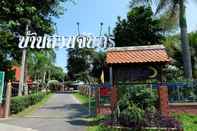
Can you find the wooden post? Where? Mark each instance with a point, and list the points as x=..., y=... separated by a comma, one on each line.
x=7, y=101
x=114, y=97
x=163, y=100
x=97, y=101
x=110, y=75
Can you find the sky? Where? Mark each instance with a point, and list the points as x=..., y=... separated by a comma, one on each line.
x=90, y=13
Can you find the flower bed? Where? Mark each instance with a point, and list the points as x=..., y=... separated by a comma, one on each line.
x=166, y=123
x=138, y=109
x=121, y=128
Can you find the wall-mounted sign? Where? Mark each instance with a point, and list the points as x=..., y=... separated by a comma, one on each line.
x=105, y=91
x=85, y=40
x=136, y=73
x=2, y=75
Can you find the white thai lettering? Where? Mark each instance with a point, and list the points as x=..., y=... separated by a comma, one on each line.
x=33, y=41
x=82, y=41
x=39, y=44
x=21, y=41
x=49, y=42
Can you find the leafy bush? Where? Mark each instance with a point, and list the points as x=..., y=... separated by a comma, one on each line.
x=53, y=85
x=133, y=104
x=140, y=95
x=143, y=97
x=19, y=103
x=131, y=115
x=137, y=108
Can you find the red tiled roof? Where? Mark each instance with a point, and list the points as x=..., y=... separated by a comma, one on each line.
x=137, y=54
x=17, y=71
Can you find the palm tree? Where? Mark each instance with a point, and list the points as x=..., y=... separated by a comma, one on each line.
x=40, y=63
x=176, y=8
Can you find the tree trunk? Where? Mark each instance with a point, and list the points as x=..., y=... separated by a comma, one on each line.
x=185, y=42
x=22, y=72
x=44, y=77
x=49, y=76
x=26, y=77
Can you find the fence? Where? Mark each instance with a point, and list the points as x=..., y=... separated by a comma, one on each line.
x=86, y=89
x=182, y=92
x=178, y=92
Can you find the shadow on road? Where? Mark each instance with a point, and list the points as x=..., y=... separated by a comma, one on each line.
x=78, y=122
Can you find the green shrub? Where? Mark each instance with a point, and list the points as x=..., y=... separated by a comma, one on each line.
x=19, y=103
x=132, y=114
x=133, y=104
x=53, y=85
x=142, y=96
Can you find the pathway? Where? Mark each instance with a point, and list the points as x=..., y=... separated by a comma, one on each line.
x=62, y=112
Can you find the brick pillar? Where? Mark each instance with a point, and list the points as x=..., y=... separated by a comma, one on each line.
x=2, y=111
x=163, y=100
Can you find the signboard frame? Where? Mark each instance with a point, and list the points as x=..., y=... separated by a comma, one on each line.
x=2, y=78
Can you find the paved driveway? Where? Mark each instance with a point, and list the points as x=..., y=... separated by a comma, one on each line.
x=62, y=112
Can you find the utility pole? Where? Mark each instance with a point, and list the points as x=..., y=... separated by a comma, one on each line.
x=22, y=69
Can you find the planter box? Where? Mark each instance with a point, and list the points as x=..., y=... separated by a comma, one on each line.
x=143, y=128
x=190, y=108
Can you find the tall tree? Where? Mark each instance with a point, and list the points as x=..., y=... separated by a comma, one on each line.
x=173, y=46
x=40, y=64
x=139, y=28
x=78, y=62
x=98, y=64
x=9, y=54
x=15, y=15
x=176, y=8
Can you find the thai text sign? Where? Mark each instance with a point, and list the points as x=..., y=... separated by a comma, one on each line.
x=2, y=75
x=31, y=40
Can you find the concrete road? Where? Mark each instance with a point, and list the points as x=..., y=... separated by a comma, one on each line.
x=62, y=112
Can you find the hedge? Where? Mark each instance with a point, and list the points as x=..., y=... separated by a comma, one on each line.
x=19, y=103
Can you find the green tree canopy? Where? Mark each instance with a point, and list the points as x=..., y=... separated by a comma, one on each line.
x=176, y=9
x=78, y=62
x=14, y=16
x=139, y=28
x=173, y=46
x=85, y=64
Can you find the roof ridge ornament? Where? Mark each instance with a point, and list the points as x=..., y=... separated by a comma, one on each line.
x=130, y=48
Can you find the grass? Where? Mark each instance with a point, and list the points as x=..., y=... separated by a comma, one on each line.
x=84, y=100
x=32, y=108
x=94, y=124
x=94, y=121
x=189, y=121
